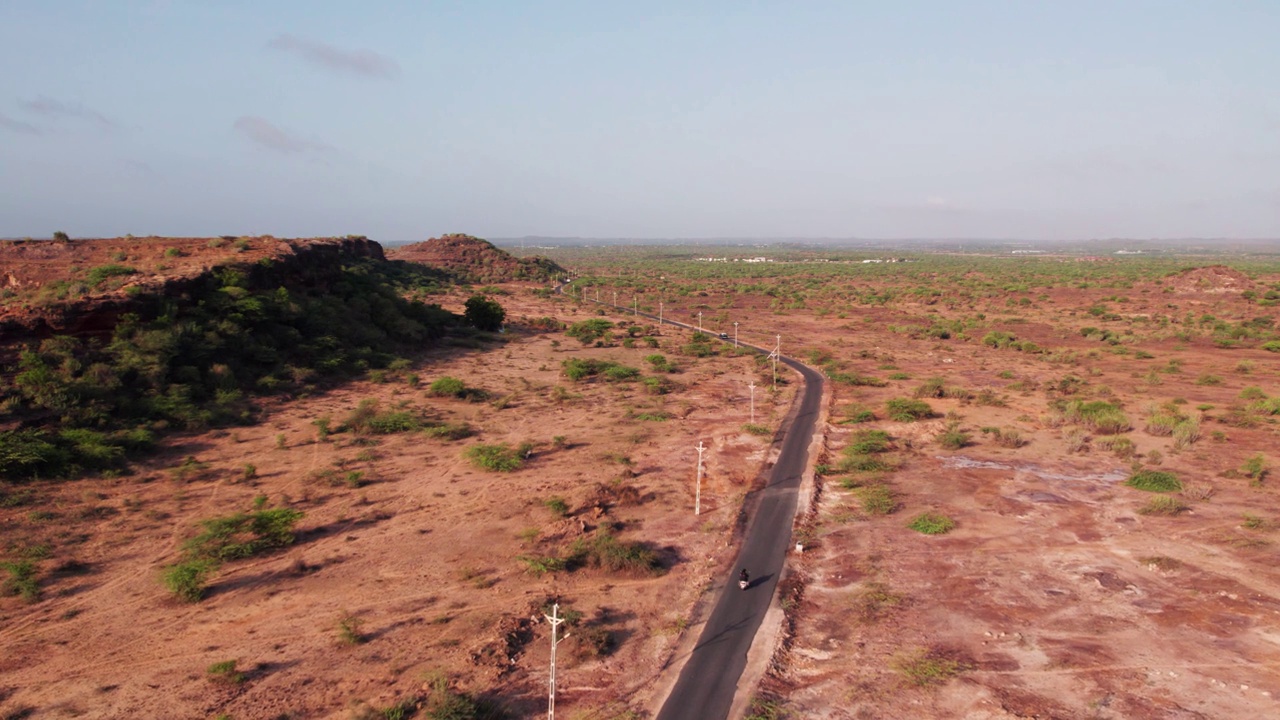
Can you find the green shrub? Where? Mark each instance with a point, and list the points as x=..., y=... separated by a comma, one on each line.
x=932, y=524
x=448, y=387
x=1272, y=346
x=906, y=410
x=1154, y=481
x=495, y=458
x=953, y=438
x=21, y=581
x=603, y=551
x=538, y=565
x=757, y=429
x=367, y=419
x=877, y=499
x=589, y=331
x=557, y=506
x=856, y=379
x=449, y=430
x=924, y=668
x=225, y=672
x=581, y=368
x=865, y=442
x=243, y=535
x=998, y=339
x=1163, y=505
x=186, y=580
x=1099, y=416
x=484, y=314
x=102, y=273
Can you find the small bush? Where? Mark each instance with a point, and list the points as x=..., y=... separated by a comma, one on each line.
x=186, y=580
x=906, y=410
x=557, y=506
x=874, y=601
x=877, y=499
x=448, y=387
x=1164, y=505
x=757, y=429
x=953, y=438
x=21, y=581
x=866, y=442
x=225, y=672
x=243, y=535
x=605, y=552
x=449, y=431
x=102, y=273
x=1154, y=481
x=932, y=524
x=495, y=458
x=924, y=668
x=350, y=629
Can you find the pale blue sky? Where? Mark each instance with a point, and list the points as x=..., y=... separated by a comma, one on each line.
x=403, y=120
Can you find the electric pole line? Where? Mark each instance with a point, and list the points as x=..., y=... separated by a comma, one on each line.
x=636, y=306
x=615, y=298
x=699, y=321
x=735, y=335
x=753, y=401
x=555, y=620
x=659, y=312
x=697, y=497
x=777, y=353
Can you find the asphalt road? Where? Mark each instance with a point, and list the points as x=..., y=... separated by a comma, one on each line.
x=709, y=680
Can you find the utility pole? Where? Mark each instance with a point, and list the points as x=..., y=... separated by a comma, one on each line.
x=753, y=401
x=615, y=298
x=699, y=321
x=555, y=620
x=635, y=303
x=777, y=353
x=735, y=334
x=597, y=295
x=697, y=497
x=659, y=312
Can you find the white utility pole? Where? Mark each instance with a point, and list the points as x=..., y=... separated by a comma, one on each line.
x=615, y=298
x=597, y=294
x=555, y=620
x=753, y=401
x=735, y=334
x=659, y=312
x=777, y=353
x=635, y=306
x=697, y=496
x=699, y=321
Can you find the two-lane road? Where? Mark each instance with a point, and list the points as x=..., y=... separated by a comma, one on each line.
x=709, y=680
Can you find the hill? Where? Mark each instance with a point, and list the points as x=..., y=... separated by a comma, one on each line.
x=473, y=259
x=107, y=343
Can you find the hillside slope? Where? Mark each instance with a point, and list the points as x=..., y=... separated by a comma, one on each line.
x=475, y=260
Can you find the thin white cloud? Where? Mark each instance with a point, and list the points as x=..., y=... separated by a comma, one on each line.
x=50, y=107
x=264, y=134
x=329, y=57
x=18, y=126
x=941, y=203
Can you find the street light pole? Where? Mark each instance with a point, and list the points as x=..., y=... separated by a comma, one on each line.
x=735, y=334
x=699, y=321
x=659, y=312
x=753, y=401
x=777, y=353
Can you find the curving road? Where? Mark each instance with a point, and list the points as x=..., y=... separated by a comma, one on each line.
x=709, y=679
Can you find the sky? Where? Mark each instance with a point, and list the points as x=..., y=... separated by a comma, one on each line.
x=1048, y=120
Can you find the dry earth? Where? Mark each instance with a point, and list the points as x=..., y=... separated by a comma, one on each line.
x=1054, y=596
x=424, y=553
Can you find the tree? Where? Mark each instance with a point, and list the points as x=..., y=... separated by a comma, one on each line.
x=61, y=236
x=484, y=314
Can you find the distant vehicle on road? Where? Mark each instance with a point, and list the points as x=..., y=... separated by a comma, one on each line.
x=724, y=336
